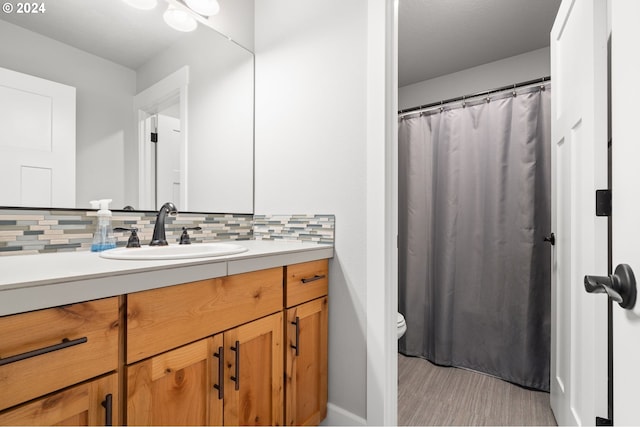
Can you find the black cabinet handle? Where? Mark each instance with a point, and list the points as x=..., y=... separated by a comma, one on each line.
x=620, y=286
x=107, y=404
x=297, y=346
x=236, y=377
x=314, y=278
x=33, y=353
x=220, y=385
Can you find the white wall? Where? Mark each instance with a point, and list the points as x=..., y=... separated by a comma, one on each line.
x=516, y=69
x=104, y=123
x=325, y=119
x=311, y=136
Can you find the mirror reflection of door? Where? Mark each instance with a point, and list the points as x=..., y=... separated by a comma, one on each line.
x=37, y=141
x=162, y=136
x=162, y=142
x=167, y=154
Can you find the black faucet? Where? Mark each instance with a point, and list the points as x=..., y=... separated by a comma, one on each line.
x=159, y=237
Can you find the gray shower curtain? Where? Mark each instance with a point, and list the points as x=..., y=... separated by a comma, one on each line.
x=474, y=206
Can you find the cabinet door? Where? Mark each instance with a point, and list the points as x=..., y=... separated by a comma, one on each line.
x=254, y=373
x=306, y=354
x=47, y=350
x=176, y=387
x=89, y=404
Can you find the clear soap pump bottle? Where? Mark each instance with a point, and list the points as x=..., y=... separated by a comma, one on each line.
x=103, y=238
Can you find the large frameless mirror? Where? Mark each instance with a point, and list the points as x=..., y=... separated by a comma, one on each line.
x=100, y=100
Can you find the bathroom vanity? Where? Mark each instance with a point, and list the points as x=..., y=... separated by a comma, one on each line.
x=234, y=340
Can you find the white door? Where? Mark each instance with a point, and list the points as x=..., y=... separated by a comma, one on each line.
x=625, y=63
x=37, y=141
x=168, y=163
x=579, y=168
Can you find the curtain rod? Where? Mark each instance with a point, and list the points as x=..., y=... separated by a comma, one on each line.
x=464, y=97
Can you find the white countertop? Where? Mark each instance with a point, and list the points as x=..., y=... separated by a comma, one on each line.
x=31, y=282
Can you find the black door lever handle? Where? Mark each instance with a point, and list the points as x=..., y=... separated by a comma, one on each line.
x=551, y=238
x=620, y=286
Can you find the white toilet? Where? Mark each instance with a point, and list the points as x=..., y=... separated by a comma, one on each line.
x=402, y=326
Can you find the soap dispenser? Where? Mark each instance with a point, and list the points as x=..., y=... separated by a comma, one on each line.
x=103, y=238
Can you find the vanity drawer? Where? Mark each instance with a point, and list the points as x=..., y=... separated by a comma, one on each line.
x=46, y=350
x=306, y=281
x=161, y=319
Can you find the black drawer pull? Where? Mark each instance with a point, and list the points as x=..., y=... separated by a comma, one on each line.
x=297, y=346
x=236, y=377
x=314, y=278
x=107, y=404
x=220, y=385
x=33, y=353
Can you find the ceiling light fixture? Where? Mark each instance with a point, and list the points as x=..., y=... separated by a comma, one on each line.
x=142, y=4
x=204, y=7
x=179, y=19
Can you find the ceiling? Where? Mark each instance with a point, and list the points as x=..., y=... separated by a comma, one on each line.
x=438, y=37
x=435, y=37
x=107, y=28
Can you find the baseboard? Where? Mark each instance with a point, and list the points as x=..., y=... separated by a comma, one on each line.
x=337, y=416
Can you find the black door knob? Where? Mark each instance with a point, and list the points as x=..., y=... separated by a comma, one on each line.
x=551, y=238
x=620, y=286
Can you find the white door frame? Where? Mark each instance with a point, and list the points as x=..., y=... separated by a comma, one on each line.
x=381, y=213
x=625, y=152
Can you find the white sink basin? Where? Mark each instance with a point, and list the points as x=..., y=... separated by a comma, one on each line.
x=196, y=250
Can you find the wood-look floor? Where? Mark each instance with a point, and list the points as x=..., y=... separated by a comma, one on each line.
x=434, y=395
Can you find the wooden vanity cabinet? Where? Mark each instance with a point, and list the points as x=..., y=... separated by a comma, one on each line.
x=162, y=319
x=176, y=387
x=92, y=403
x=232, y=378
x=246, y=349
x=306, y=359
x=253, y=390
x=306, y=343
x=52, y=355
x=207, y=352
x=306, y=281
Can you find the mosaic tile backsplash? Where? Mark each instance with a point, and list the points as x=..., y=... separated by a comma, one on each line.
x=29, y=231
x=310, y=228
